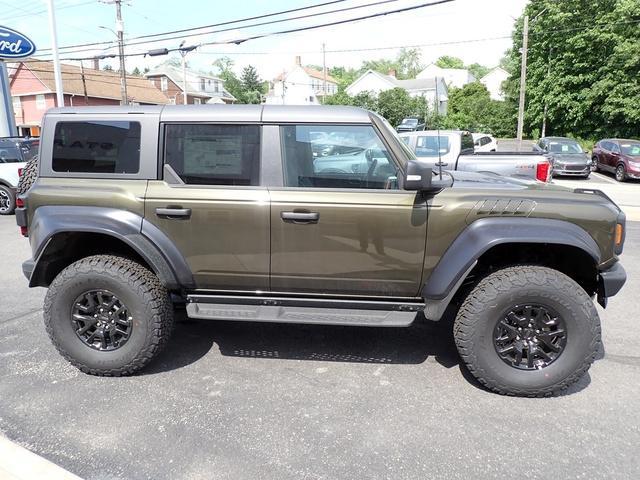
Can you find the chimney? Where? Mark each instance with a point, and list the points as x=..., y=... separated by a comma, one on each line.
x=298, y=60
x=96, y=63
x=392, y=72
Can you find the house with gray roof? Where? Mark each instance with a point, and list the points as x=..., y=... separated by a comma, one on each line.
x=201, y=87
x=434, y=90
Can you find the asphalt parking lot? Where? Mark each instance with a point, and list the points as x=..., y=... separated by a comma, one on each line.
x=236, y=401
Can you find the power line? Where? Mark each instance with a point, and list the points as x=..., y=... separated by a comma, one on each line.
x=293, y=30
x=271, y=22
x=228, y=22
x=39, y=12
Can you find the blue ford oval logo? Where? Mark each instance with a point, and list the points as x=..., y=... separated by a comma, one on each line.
x=14, y=45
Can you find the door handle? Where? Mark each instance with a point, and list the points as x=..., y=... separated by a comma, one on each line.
x=300, y=217
x=174, y=213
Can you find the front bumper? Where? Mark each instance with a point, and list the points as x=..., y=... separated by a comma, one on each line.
x=576, y=170
x=610, y=281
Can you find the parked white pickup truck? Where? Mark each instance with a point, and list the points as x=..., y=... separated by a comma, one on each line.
x=14, y=153
x=454, y=150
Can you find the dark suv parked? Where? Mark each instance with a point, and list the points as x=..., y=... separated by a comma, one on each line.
x=229, y=209
x=618, y=156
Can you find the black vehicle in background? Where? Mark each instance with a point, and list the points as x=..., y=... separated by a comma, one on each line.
x=410, y=124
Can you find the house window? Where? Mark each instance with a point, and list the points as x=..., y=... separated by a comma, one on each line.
x=163, y=84
x=202, y=84
x=17, y=106
x=41, y=102
x=197, y=101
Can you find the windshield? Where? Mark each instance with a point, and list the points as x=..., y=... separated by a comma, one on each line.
x=432, y=145
x=409, y=121
x=409, y=155
x=630, y=148
x=565, y=147
x=10, y=155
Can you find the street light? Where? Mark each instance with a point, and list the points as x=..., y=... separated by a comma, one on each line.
x=183, y=52
x=123, y=73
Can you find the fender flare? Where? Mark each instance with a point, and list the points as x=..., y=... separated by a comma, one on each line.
x=485, y=233
x=152, y=245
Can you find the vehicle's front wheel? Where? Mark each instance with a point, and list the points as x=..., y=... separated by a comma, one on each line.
x=621, y=174
x=7, y=200
x=108, y=315
x=594, y=164
x=527, y=331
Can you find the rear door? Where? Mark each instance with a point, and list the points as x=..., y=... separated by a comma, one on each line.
x=339, y=223
x=210, y=204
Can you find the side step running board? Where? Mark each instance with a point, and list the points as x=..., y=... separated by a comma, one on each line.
x=308, y=311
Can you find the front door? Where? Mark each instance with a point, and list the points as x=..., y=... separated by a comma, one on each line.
x=211, y=206
x=340, y=225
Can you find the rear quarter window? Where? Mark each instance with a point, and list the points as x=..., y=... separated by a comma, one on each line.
x=97, y=147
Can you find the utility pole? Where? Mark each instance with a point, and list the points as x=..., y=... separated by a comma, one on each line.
x=546, y=104
x=56, y=58
x=123, y=71
x=84, y=83
x=120, y=34
x=324, y=74
x=523, y=79
x=183, y=52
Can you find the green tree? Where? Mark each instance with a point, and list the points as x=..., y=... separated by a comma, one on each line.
x=251, y=84
x=478, y=70
x=396, y=104
x=447, y=61
x=344, y=76
x=586, y=75
x=136, y=71
x=233, y=85
x=409, y=62
x=108, y=68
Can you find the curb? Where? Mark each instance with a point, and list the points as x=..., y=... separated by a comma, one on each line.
x=18, y=463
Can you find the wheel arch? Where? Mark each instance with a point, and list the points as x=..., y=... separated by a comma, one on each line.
x=493, y=243
x=61, y=235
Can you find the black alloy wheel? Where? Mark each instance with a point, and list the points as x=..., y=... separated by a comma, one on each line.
x=101, y=321
x=530, y=337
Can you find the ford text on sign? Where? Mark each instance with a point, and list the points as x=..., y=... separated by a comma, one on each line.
x=14, y=45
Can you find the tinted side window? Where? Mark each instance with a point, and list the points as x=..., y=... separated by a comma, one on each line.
x=466, y=142
x=97, y=147
x=214, y=154
x=336, y=156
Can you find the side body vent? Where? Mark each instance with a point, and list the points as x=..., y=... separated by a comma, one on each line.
x=509, y=207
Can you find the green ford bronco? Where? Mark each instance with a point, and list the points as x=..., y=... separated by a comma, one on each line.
x=314, y=215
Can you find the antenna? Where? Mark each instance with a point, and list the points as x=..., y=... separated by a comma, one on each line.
x=437, y=112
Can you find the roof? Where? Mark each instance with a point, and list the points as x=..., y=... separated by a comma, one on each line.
x=312, y=72
x=494, y=70
x=236, y=113
x=176, y=76
x=409, y=84
x=99, y=83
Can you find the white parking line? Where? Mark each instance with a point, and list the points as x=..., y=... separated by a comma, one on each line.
x=17, y=463
x=604, y=177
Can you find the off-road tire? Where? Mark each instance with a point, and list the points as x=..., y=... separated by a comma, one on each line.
x=140, y=290
x=29, y=176
x=7, y=194
x=499, y=291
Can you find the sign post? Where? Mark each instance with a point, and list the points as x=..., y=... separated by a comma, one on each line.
x=13, y=45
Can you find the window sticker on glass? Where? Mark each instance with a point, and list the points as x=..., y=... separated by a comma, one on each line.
x=213, y=154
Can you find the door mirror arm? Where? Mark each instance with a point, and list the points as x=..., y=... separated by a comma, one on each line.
x=419, y=178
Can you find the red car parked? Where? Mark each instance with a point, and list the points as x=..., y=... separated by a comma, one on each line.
x=618, y=156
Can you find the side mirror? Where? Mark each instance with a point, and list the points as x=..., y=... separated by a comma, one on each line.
x=418, y=177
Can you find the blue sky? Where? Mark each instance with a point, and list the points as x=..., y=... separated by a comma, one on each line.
x=437, y=28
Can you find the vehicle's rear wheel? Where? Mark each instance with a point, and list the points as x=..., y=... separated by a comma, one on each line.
x=7, y=200
x=108, y=315
x=621, y=174
x=527, y=331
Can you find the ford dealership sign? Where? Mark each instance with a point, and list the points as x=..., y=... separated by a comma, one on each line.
x=14, y=44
